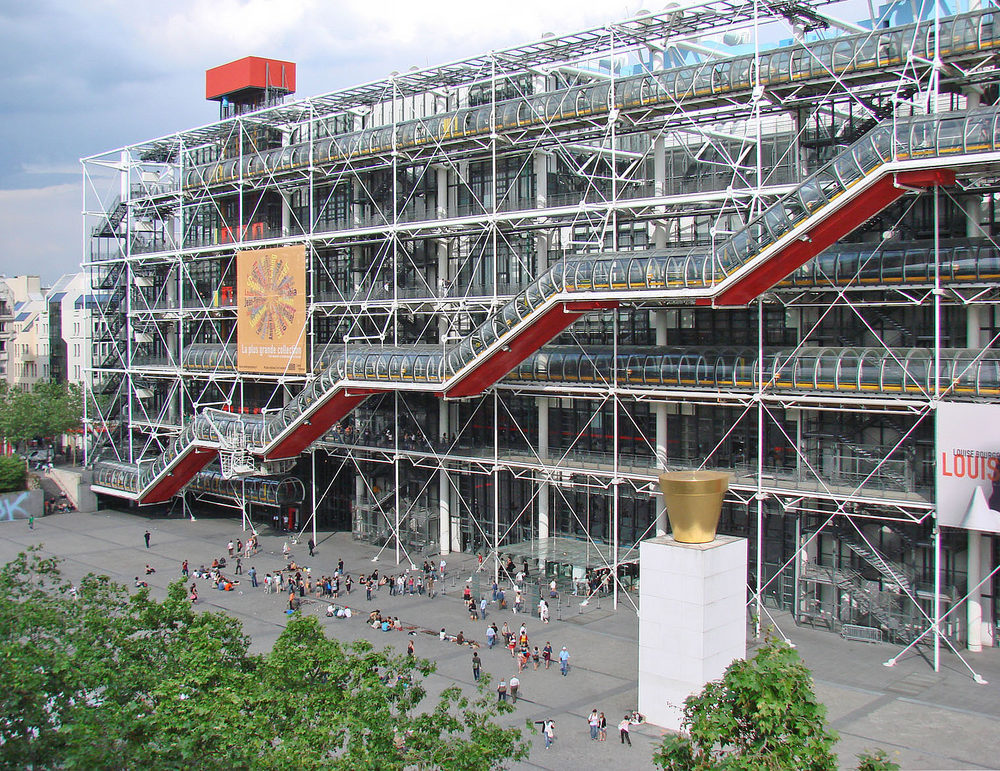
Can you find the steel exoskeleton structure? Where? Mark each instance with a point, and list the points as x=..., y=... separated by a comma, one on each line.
x=666, y=183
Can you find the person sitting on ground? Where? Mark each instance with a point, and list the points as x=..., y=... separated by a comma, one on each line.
x=150, y=570
x=460, y=638
x=215, y=564
x=139, y=583
x=397, y=624
x=443, y=635
x=330, y=611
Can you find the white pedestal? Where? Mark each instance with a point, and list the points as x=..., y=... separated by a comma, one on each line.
x=692, y=620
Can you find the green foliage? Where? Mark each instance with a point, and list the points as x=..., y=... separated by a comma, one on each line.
x=12, y=473
x=762, y=714
x=876, y=761
x=102, y=679
x=48, y=410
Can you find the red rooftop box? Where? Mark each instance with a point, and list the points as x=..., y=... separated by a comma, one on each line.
x=251, y=73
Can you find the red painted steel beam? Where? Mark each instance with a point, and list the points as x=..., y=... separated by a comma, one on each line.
x=318, y=423
x=190, y=464
x=547, y=326
x=827, y=232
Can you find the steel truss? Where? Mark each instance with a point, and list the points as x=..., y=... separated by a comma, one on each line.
x=417, y=242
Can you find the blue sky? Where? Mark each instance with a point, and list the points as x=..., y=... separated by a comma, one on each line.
x=86, y=77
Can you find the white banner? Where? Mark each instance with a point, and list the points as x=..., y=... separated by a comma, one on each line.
x=968, y=466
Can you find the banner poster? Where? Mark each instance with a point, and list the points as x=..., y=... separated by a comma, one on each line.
x=271, y=314
x=968, y=466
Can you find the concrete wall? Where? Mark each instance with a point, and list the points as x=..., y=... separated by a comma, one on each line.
x=76, y=485
x=21, y=505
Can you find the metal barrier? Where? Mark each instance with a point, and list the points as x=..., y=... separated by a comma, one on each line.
x=861, y=633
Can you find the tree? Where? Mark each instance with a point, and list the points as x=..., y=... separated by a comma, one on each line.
x=105, y=679
x=12, y=474
x=762, y=714
x=48, y=410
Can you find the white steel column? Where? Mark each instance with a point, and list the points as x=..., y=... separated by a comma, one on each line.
x=660, y=413
x=444, y=486
x=974, y=608
x=543, y=453
x=974, y=557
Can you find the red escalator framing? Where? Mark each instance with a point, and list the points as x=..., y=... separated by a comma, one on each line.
x=193, y=461
x=544, y=328
x=318, y=422
x=827, y=232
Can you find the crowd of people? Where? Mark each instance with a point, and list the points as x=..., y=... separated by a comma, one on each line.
x=298, y=582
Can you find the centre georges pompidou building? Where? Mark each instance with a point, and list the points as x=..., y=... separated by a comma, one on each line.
x=480, y=306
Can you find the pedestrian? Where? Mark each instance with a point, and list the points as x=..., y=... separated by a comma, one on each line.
x=184, y=568
x=146, y=537
x=253, y=576
x=602, y=728
x=564, y=661
x=31, y=526
x=502, y=690
x=239, y=567
x=368, y=590
x=515, y=683
x=549, y=732
x=547, y=654
x=535, y=657
x=409, y=649
x=312, y=546
x=595, y=723
x=193, y=593
x=491, y=636
x=623, y=731
x=482, y=607
x=552, y=589
x=477, y=664
x=239, y=545
x=340, y=566
x=230, y=547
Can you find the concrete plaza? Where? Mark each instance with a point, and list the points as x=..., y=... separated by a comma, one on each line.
x=925, y=719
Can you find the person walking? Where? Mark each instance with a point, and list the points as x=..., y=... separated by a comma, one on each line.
x=491, y=636
x=239, y=567
x=483, y=602
x=564, y=661
x=184, y=568
x=502, y=691
x=146, y=537
x=253, y=576
x=623, y=731
x=602, y=727
x=515, y=683
x=409, y=649
x=230, y=547
x=477, y=664
x=594, y=722
x=31, y=524
x=549, y=732
x=312, y=547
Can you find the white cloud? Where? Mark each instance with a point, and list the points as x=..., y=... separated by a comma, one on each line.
x=42, y=231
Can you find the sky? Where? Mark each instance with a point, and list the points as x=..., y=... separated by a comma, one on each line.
x=85, y=77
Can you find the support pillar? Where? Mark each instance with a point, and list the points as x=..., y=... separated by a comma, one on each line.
x=974, y=606
x=660, y=414
x=692, y=620
x=543, y=453
x=444, y=488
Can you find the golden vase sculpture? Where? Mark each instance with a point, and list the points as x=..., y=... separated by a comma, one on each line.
x=694, y=503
